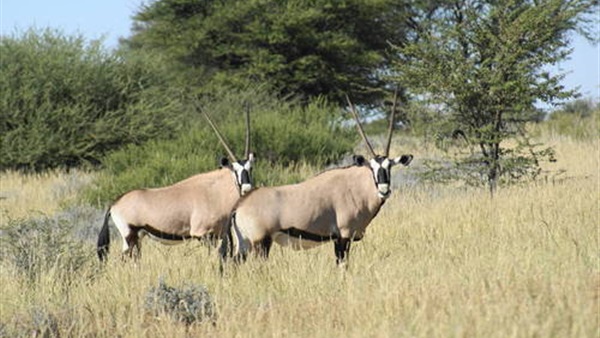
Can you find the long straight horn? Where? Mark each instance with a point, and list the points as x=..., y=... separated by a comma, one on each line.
x=391, y=126
x=247, y=148
x=214, y=127
x=360, y=128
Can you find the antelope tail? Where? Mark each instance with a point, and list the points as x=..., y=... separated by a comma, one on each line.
x=226, y=249
x=104, y=238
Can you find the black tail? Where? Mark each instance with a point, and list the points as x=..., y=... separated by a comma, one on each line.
x=226, y=249
x=104, y=238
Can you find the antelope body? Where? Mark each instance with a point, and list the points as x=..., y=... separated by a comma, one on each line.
x=196, y=207
x=336, y=205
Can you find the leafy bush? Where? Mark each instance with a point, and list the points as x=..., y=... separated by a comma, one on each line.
x=190, y=304
x=65, y=101
x=283, y=135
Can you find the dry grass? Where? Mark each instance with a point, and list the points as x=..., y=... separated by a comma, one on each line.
x=436, y=262
x=43, y=193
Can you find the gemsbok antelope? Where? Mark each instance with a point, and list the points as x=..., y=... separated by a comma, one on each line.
x=336, y=205
x=197, y=207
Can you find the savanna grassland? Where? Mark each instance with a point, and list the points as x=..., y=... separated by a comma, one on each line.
x=438, y=261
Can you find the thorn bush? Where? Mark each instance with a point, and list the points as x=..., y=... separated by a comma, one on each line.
x=190, y=304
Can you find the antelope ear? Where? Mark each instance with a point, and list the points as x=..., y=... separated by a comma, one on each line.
x=404, y=159
x=224, y=162
x=251, y=157
x=358, y=160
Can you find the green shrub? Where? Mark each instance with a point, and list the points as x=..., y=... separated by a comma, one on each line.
x=65, y=101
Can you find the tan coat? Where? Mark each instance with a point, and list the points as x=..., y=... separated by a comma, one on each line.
x=193, y=207
x=338, y=203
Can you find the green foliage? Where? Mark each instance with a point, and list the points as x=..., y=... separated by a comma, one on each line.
x=283, y=135
x=190, y=304
x=483, y=63
x=307, y=48
x=65, y=102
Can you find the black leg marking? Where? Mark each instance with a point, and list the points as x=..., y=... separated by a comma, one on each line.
x=265, y=247
x=133, y=242
x=209, y=239
x=342, y=250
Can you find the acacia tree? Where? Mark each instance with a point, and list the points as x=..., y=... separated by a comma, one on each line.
x=301, y=48
x=484, y=63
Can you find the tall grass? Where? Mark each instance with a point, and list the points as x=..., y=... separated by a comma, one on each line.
x=438, y=261
x=23, y=195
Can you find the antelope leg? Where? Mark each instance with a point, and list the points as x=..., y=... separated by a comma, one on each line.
x=342, y=250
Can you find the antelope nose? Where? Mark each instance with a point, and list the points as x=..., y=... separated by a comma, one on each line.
x=245, y=188
x=384, y=190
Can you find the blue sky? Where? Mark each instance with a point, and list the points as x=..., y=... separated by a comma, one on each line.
x=111, y=19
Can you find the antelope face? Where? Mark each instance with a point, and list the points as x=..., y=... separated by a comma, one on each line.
x=242, y=171
x=381, y=167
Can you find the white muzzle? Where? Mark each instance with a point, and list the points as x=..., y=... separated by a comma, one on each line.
x=245, y=188
x=384, y=190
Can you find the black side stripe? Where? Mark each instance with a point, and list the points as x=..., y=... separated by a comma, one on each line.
x=297, y=233
x=164, y=235
x=293, y=232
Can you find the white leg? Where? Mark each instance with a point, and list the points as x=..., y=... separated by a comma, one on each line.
x=241, y=243
x=123, y=228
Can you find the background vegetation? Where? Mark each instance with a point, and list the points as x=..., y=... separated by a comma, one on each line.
x=439, y=260
x=303, y=48
x=66, y=102
x=483, y=63
x=284, y=137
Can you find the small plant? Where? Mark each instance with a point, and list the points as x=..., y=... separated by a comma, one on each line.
x=191, y=304
x=36, y=246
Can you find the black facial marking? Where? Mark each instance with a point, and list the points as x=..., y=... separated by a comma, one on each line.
x=245, y=177
x=382, y=176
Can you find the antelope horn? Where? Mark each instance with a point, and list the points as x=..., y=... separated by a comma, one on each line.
x=214, y=127
x=359, y=126
x=391, y=126
x=247, y=148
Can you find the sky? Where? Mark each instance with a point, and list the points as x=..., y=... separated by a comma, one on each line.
x=111, y=19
